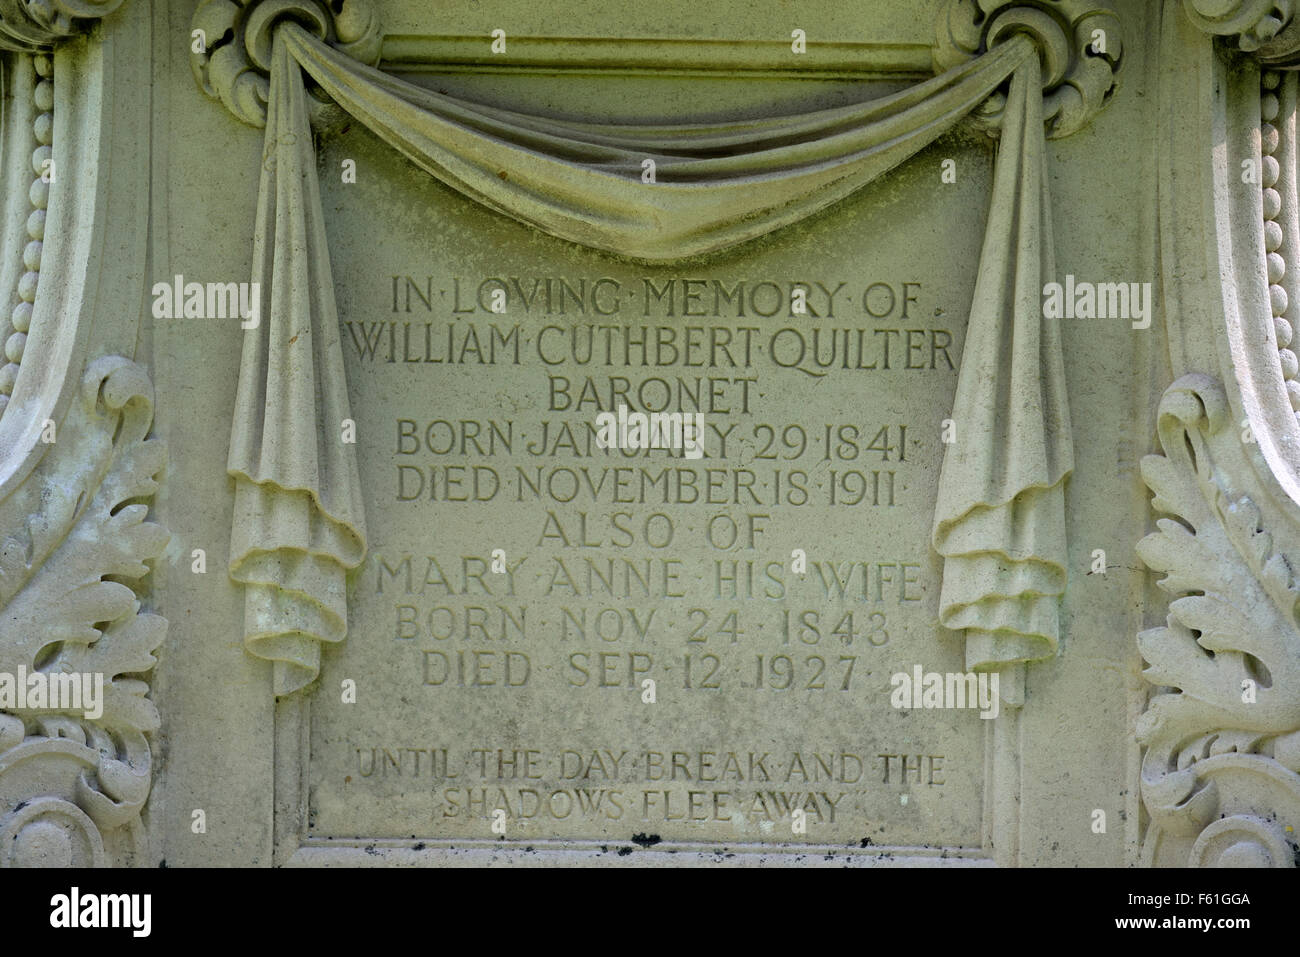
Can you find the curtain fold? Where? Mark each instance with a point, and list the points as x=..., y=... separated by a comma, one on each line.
x=999, y=521
x=299, y=518
x=716, y=185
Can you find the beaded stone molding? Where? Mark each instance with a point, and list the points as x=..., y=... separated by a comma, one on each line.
x=15, y=329
x=1271, y=82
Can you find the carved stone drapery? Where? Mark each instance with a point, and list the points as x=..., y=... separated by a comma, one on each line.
x=999, y=521
x=1000, y=517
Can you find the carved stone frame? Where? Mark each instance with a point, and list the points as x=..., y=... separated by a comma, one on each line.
x=87, y=780
x=98, y=213
x=1229, y=404
x=1000, y=817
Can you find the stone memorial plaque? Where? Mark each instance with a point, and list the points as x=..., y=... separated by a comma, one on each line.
x=660, y=434
x=821, y=362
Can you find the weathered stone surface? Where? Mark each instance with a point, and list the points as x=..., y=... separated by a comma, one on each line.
x=985, y=311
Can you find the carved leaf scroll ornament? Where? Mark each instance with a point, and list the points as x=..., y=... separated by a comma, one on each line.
x=1252, y=23
x=29, y=26
x=73, y=552
x=1222, y=732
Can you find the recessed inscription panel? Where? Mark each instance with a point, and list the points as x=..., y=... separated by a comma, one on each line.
x=567, y=641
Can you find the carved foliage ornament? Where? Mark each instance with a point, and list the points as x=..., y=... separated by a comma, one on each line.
x=232, y=60
x=74, y=547
x=32, y=25
x=1221, y=771
x=1079, y=42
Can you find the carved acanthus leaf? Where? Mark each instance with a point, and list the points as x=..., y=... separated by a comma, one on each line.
x=62, y=575
x=73, y=555
x=1230, y=647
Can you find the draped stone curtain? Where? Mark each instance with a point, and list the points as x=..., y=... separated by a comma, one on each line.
x=299, y=519
x=999, y=520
